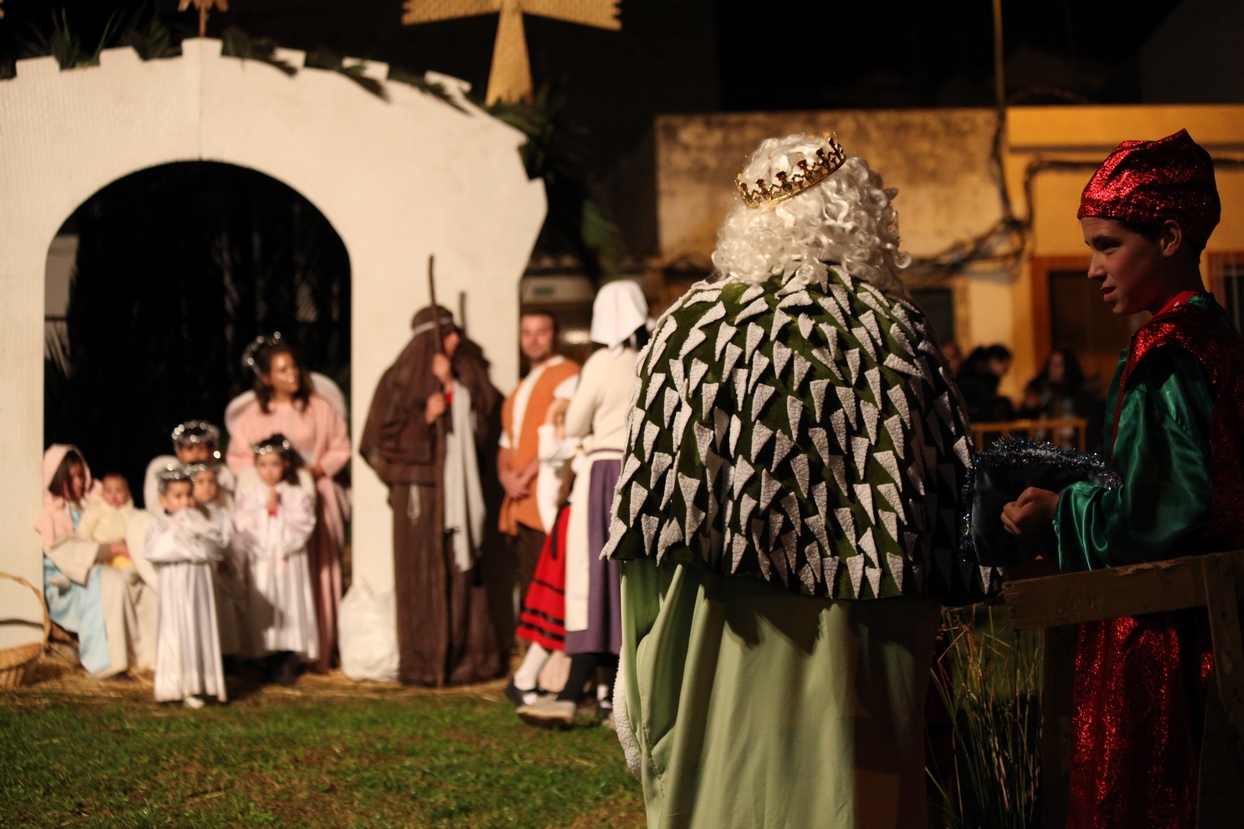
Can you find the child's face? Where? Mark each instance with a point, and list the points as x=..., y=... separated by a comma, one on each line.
x=177, y=496
x=116, y=491
x=1126, y=265
x=194, y=453
x=75, y=486
x=271, y=467
x=205, y=487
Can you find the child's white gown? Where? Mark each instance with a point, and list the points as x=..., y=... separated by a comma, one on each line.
x=184, y=548
x=282, y=606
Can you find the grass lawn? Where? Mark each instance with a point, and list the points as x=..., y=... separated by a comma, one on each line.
x=327, y=752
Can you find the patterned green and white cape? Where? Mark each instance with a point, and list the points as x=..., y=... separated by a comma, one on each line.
x=806, y=435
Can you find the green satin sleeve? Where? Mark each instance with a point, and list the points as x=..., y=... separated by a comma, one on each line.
x=1162, y=453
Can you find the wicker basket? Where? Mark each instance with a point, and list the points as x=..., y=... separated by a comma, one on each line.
x=14, y=662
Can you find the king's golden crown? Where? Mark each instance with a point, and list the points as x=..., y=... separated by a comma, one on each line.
x=804, y=175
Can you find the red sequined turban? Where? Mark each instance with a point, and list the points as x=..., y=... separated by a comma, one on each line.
x=1148, y=182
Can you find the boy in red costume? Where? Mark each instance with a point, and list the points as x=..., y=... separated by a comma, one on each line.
x=1174, y=420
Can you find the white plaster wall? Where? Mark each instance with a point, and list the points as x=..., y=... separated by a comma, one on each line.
x=398, y=180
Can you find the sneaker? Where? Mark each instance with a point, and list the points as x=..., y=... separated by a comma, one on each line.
x=192, y=702
x=604, y=716
x=554, y=713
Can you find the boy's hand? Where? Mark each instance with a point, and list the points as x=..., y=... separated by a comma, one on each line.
x=1032, y=514
x=274, y=500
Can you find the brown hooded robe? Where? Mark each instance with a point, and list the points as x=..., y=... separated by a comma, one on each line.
x=444, y=631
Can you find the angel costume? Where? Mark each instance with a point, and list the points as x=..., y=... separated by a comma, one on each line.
x=113, y=614
x=320, y=435
x=786, y=519
x=184, y=547
x=274, y=545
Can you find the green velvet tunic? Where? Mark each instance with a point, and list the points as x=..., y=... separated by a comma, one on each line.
x=1162, y=453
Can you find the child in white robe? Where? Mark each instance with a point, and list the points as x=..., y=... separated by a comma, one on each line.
x=273, y=518
x=229, y=578
x=184, y=544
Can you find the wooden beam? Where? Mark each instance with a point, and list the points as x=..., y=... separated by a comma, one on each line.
x=1073, y=598
x=1224, y=627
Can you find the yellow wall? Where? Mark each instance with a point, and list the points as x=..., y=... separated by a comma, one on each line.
x=940, y=162
x=1088, y=135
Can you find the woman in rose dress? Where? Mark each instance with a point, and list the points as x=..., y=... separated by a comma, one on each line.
x=309, y=410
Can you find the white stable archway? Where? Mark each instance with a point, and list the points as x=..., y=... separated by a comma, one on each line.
x=399, y=179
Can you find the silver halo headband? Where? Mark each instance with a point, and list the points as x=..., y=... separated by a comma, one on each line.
x=192, y=470
x=171, y=474
x=267, y=448
x=248, y=356
x=196, y=431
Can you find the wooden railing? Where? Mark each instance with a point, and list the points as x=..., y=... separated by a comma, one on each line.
x=1053, y=430
x=1039, y=598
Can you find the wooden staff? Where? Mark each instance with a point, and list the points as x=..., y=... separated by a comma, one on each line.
x=438, y=496
x=436, y=314
x=440, y=349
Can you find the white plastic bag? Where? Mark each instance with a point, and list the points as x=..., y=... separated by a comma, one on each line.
x=367, y=635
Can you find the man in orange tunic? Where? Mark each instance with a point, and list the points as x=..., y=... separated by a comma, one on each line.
x=551, y=376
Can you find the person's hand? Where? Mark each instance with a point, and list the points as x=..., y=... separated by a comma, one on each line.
x=529, y=473
x=435, y=406
x=514, y=486
x=119, y=548
x=274, y=500
x=316, y=471
x=1032, y=514
x=556, y=415
x=442, y=369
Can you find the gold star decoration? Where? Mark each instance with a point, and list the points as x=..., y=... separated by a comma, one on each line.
x=510, y=77
x=204, y=6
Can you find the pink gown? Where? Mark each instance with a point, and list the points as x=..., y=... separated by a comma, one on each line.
x=319, y=434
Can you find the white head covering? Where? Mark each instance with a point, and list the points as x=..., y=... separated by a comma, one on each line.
x=619, y=310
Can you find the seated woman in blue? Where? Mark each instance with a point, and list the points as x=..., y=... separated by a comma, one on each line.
x=85, y=596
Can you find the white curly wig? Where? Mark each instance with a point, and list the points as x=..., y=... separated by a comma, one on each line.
x=845, y=220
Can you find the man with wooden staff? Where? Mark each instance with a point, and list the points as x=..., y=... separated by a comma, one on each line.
x=430, y=413
x=1174, y=415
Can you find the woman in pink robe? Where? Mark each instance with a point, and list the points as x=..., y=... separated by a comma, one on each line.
x=310, y=412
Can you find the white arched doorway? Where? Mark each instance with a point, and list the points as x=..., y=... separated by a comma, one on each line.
x=399, y=179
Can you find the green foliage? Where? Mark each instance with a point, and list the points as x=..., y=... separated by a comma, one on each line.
x=578, y=219
x=433, y=761
x=64, y=44
x=992, y=688
x=150, y=37
x=236, y=43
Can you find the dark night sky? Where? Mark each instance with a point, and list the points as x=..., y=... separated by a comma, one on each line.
x=709, y=55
